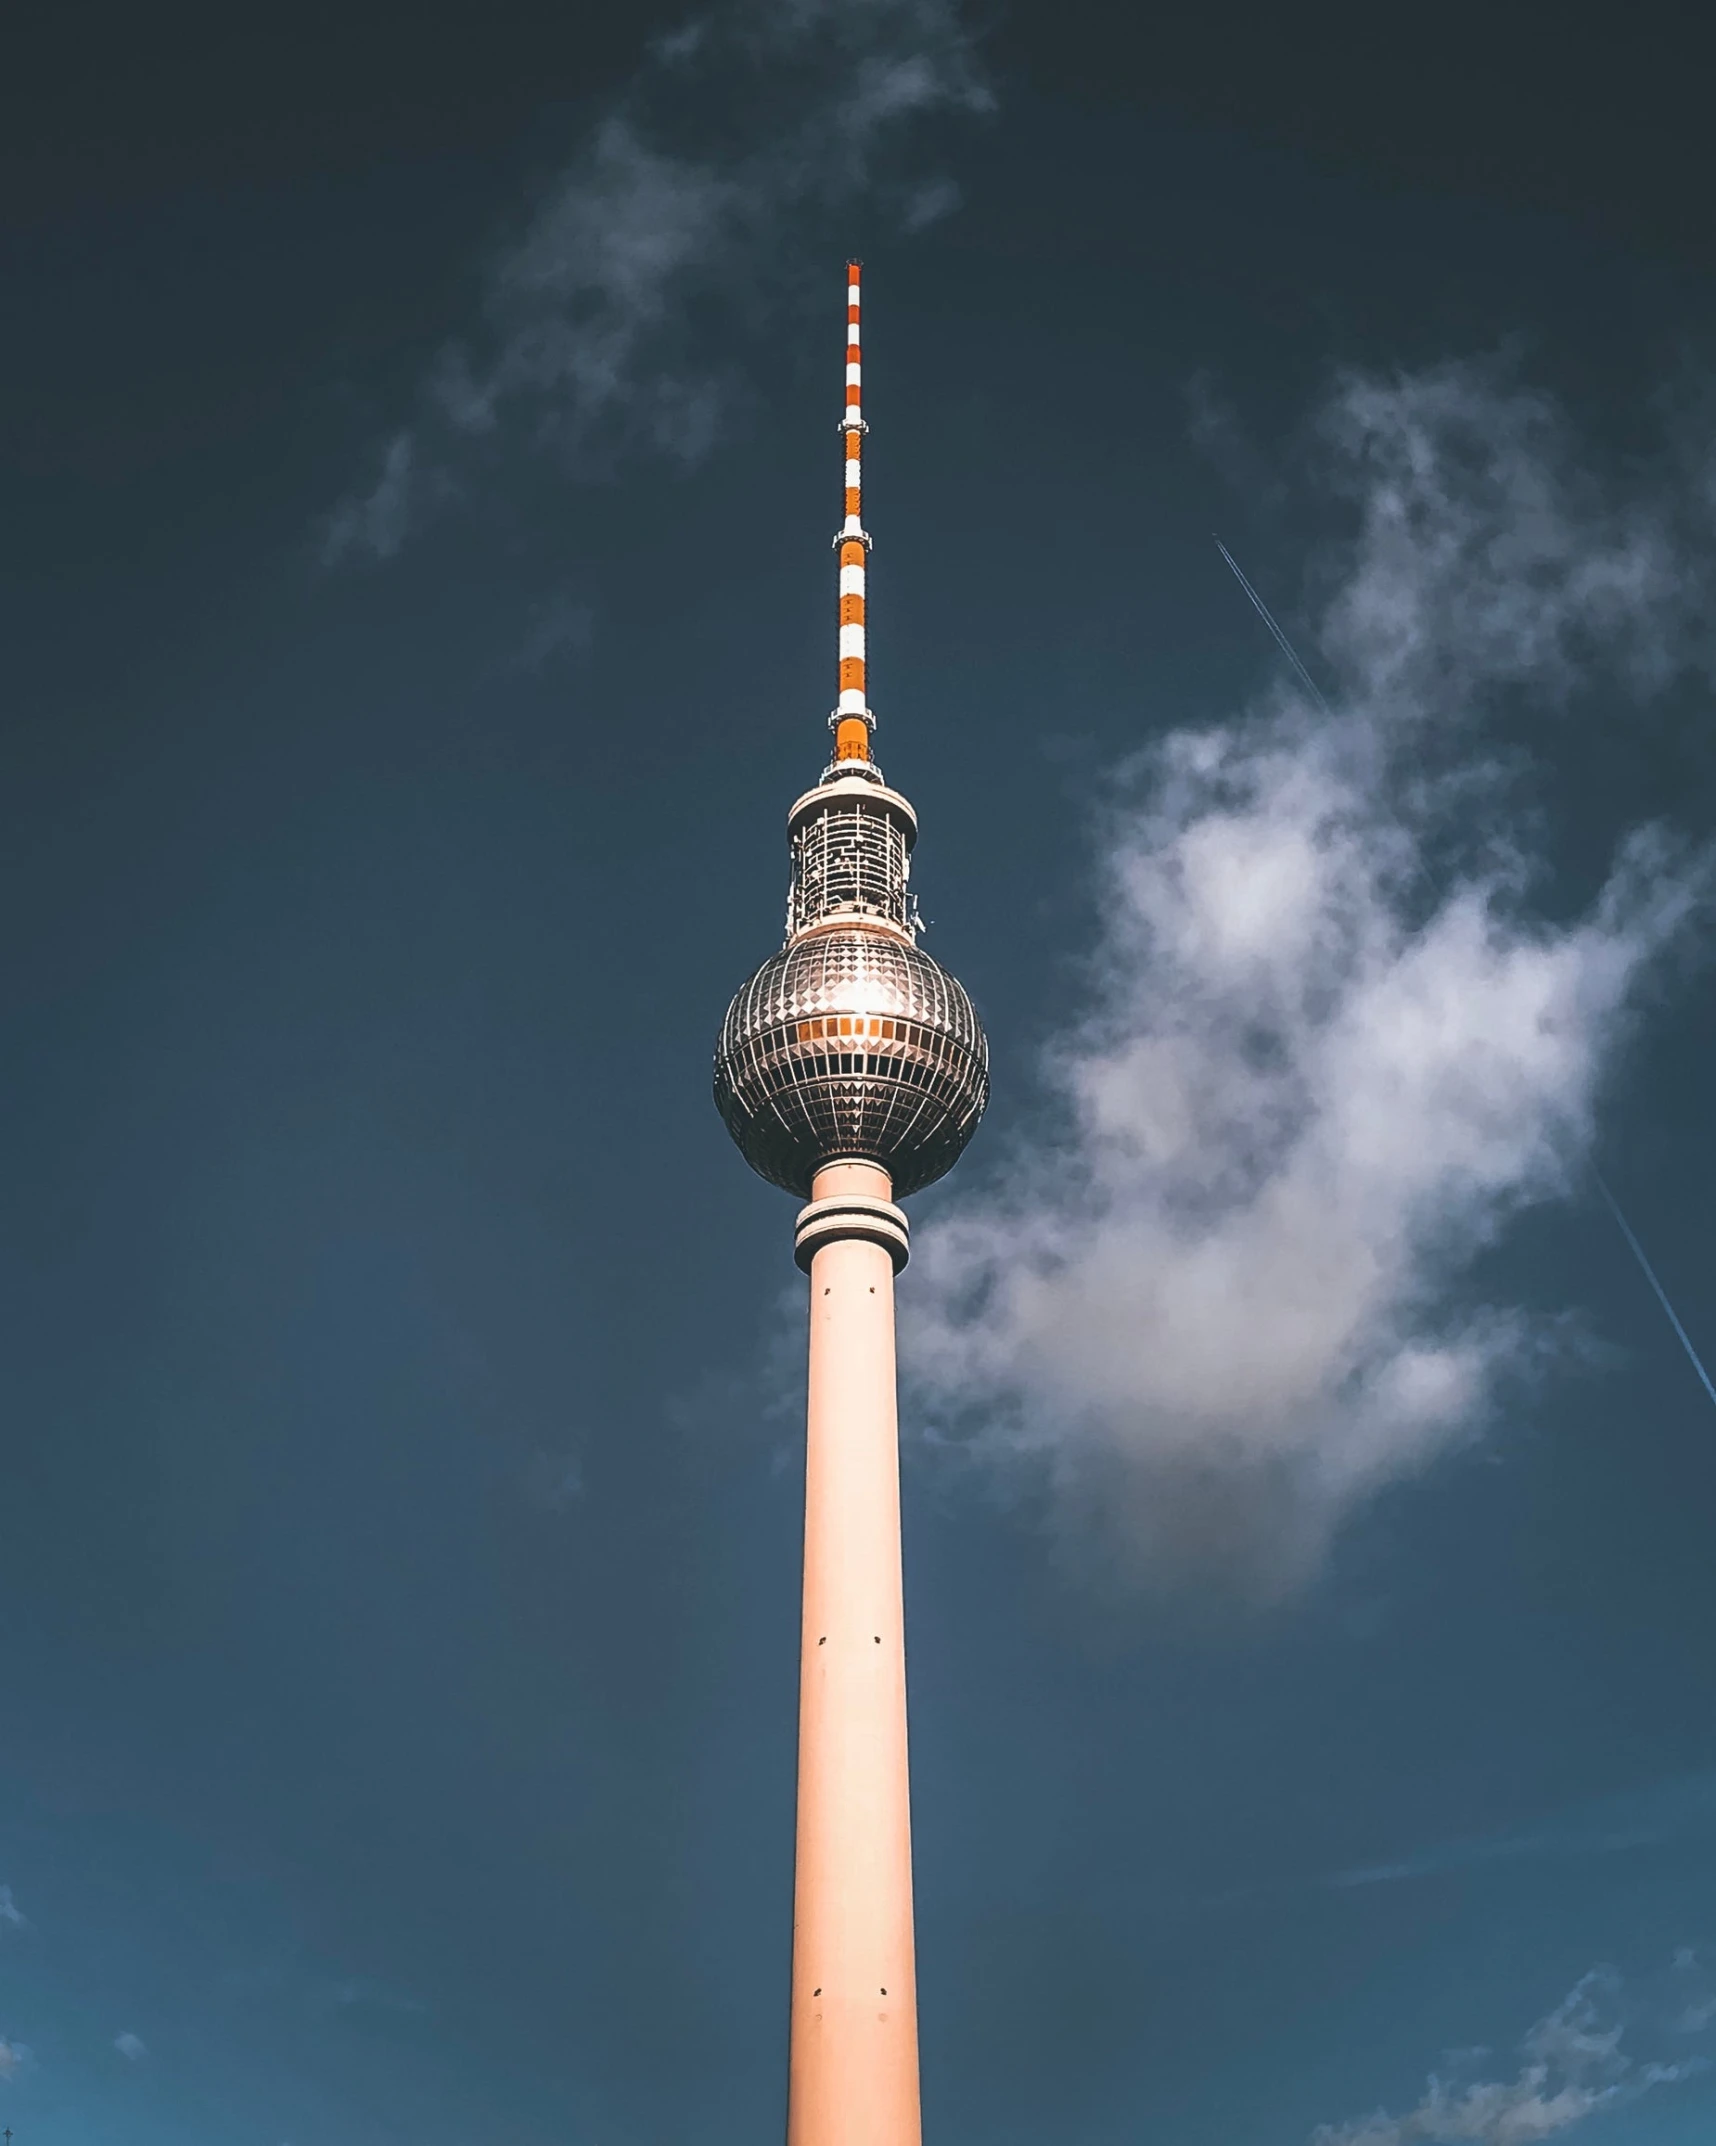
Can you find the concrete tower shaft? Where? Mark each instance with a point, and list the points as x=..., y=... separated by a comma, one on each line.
x=853, y=2064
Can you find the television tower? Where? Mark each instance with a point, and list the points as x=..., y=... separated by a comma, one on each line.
x=852, y=1070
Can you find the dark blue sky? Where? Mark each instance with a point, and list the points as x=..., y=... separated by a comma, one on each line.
x=398, y=1567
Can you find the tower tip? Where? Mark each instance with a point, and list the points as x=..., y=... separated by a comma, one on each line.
x=852, y=717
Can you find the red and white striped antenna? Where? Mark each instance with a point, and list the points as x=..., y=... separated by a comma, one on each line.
x=852, y=721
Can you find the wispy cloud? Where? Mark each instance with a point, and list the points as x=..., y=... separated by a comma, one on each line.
x=357, y=1993
x=684, y=214
x=554, y=1480
x=131, y=2046
x=1698, y=2006
x=11, y=1916
x=559, y=628
x=1573, y=2067
x=1609, y=1825
x=1219, y=1295
x=14, y=2058
x=375, y=522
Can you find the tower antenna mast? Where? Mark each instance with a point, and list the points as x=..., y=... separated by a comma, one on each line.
x=852, y=721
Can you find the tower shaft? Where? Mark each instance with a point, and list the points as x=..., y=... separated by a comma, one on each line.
x=854, y=2036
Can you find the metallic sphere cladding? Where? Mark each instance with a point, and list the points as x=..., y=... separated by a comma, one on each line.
x=851, y=1041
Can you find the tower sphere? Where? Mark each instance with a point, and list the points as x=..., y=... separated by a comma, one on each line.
x=851, y=1043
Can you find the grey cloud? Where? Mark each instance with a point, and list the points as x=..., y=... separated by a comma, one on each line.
x=692, y=200
x=374, y=523
x=1573, y=2067
x=14, y=2058
x=1214, y=1301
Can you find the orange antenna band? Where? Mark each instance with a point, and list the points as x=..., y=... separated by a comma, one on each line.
x=853, y=721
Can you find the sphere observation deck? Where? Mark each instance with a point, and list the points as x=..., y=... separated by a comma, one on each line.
x=851, y=1043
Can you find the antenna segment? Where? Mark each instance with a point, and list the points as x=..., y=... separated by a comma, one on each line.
x=852, y=721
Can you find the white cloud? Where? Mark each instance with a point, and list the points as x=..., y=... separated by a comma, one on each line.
x=690, y=201
x=10, y=1914
x=14, y=2058
x=131, y=2046
x=1574, y=2067
x=1330, y=1049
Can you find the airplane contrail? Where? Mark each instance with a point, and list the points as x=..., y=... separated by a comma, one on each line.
x=1268, y=617
x=1650, y=1276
